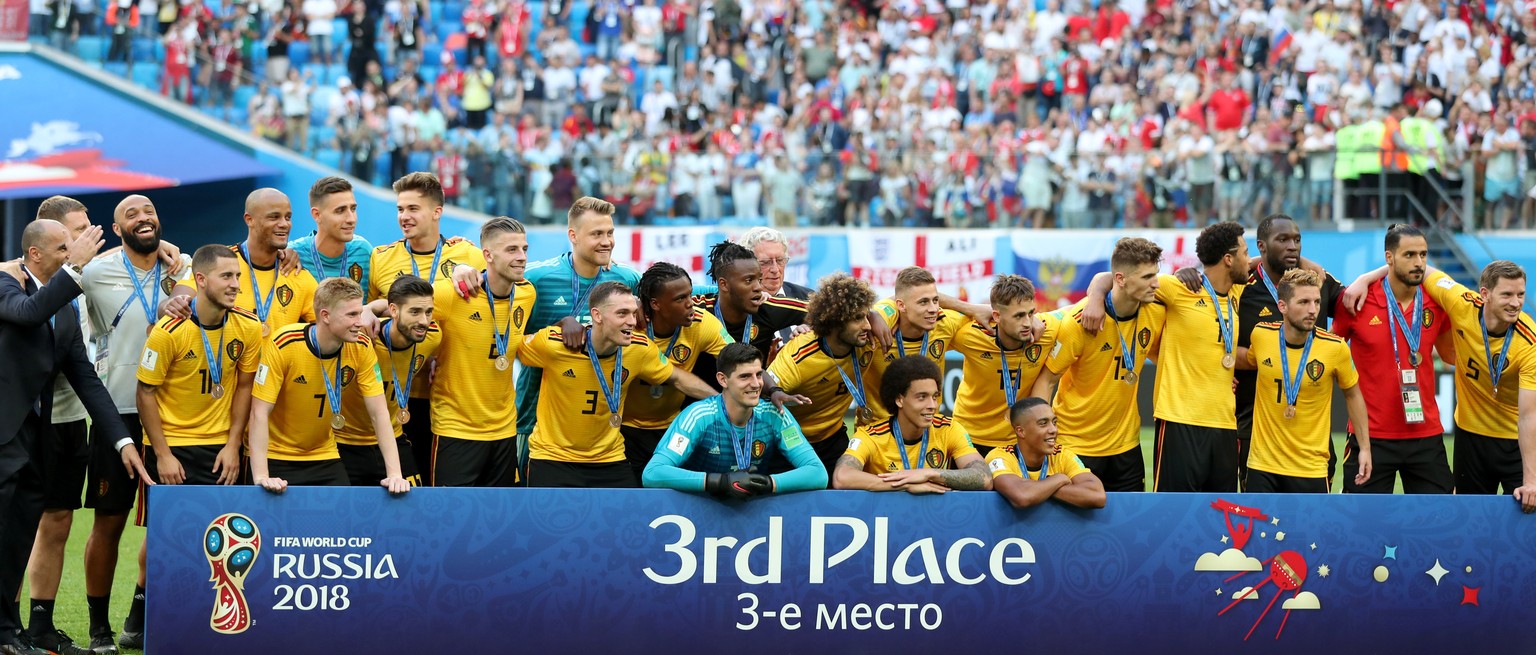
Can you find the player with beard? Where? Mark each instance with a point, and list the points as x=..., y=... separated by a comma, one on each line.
x=682, y=332
x=277, y=298
x=1034, y=469
x=407, y=339
x=1390, y=336
x=822, y=371
x=1298, y=365
x=1002, y=363
x=563, y=285
x=305, y=369
x=693, y=455
x=584, y=448
x=334, y=249
x=915, y=449
x=749, y=314
x=474, y=427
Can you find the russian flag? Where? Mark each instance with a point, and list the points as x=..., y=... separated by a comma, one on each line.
x=1279, y=45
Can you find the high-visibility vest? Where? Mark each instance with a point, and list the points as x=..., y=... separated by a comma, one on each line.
x=1393, y=159
x=1368, y=148
x=1344, y=155
x=1416, y=133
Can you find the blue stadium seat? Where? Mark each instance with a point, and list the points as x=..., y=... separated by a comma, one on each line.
x=419, y=161
x=117, y=68
x=446, y=28
x=663, y=73
x=91, y=48
x=431, y=53
x=298, y=54
x=329, y=157
x=243, y=95
x=323, y=134
x=453, y=11
x=238, y=117
x=577, y=18
x=147, y=75
x=145, y=49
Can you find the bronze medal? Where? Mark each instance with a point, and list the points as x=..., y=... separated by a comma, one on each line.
x=502, y=364
x=1229, y=361
x=614, y=420
x=1414, y=358
x=867, y=414
x=218, y=391
x=1129, y=378
x=338, y=421
x=404, y=415
x=266, y=330
x=1290, y=412
x=656, y=391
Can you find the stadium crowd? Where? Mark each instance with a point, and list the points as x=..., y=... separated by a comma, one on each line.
x=324, y=360
x=955, y=113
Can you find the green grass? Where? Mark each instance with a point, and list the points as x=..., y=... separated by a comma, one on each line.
x=69, y=613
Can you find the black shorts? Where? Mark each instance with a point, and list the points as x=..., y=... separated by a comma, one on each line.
x=981, y=449
x=1264, y=482
x=63, y=456
x=1191, y=458
x=639, y=446
x=365, y=464
x=1421, y=462
x=1124, y=472
x=552, y=474
x=418, y=433
x=109, y=490
x=468, y=463
x=830, y=448
x=1483, y=464
x=314, y=473
x=196, y=464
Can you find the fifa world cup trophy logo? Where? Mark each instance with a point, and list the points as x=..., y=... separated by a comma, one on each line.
x=231, y=543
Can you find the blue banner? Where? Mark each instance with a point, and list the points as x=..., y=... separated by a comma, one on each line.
x=238, y=570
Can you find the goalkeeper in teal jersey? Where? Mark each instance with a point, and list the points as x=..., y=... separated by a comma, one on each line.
x=719, y=445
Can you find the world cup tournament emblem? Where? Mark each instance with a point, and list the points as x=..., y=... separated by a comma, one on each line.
x=231, y=543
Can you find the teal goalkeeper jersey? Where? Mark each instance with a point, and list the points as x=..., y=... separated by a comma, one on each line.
x=699, y=443
x=352, y=264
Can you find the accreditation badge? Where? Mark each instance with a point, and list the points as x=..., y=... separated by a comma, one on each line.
x=1413, y=402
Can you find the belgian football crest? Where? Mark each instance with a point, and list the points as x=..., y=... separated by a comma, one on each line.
x=1144, y=337
x=167, y=285
x=235, y=349
x=680, y=353
x=1032, y=353
x=284, y=295
x=347, y=375
x=936, y=348
x=935, y=458
x=517, y=317
x=355, y=271
x=1315, y=370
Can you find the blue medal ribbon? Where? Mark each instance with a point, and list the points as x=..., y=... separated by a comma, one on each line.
x=1010, y=386
x=901, y=344
x=215, y=357
x=856, y=389
x=1045, y=465
x=1495, y=364
x=332, y=389
x=150, y=308
x=901, y=446
x=1127, y=350
x=437, y=255
x=746, y=332
x=502, y=338
x=263, y=307
x=1224, y=321
x=1412, y=330
x=319, y=262
x=577, y=297
x=1264, y=277
x=671, y=343
x=402, y=392
x=611, y=392
x=1293, y=382
x=742, y=446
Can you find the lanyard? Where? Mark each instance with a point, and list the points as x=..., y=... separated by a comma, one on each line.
x=1224, y=321
x=901, y=446
x=319, y=261
x=1293, y=382
x=72, y=303
x=741, y=446
x=332, y=389
x=502, y=338
x=150, y=308
x=402, y=392
x=263, y=307
x=746, y=332
x=1010, y=386
x=437, y=255
x=671, y=343
x=577, y=297
x=215, y=358
x=901, y=344
x=1045, y=465
x=610, y=392
x=1268, y=284
x=1412, y=330
x=1495, y=364
x=855, y=388
x=1127, y=350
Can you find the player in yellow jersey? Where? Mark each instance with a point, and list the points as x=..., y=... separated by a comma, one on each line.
x=1100, y=373
x=424, y=252
x=305, y=368
x=919, y=326
x=275, y=297
x=681, y=333
x=195, y=379
x=1001, y=363
x=474, y=418
x=1034, y=469
x=915, y=449
x=1298, y=366
x=407, y=339
x=577, y=442
x=1495, y=373
x=1197, y=446
x=820, y=372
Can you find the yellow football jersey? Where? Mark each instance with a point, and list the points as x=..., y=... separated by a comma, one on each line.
x=1192, y=386
x=933, y=346
x=393, y=364
x=573, y=413
x=292, y=296
x=292, y=379
x=472, y=399
x=1096, y=409
x=175, y=359
x=1477, y=409
x=654, y=407
x=393, y=260
x=1004, y=460
x=1297, y=446
x=875, y=447
x=980, y=405
x=804, y=368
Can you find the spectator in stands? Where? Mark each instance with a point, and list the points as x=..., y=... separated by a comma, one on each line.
x=295, y=93
x=406, y=30
x=478, y=83
x=123, y=23
x=228, y=68
x=280, y=35
x=362, y=35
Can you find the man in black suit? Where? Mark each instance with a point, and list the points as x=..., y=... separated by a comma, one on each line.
x=39, y=339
